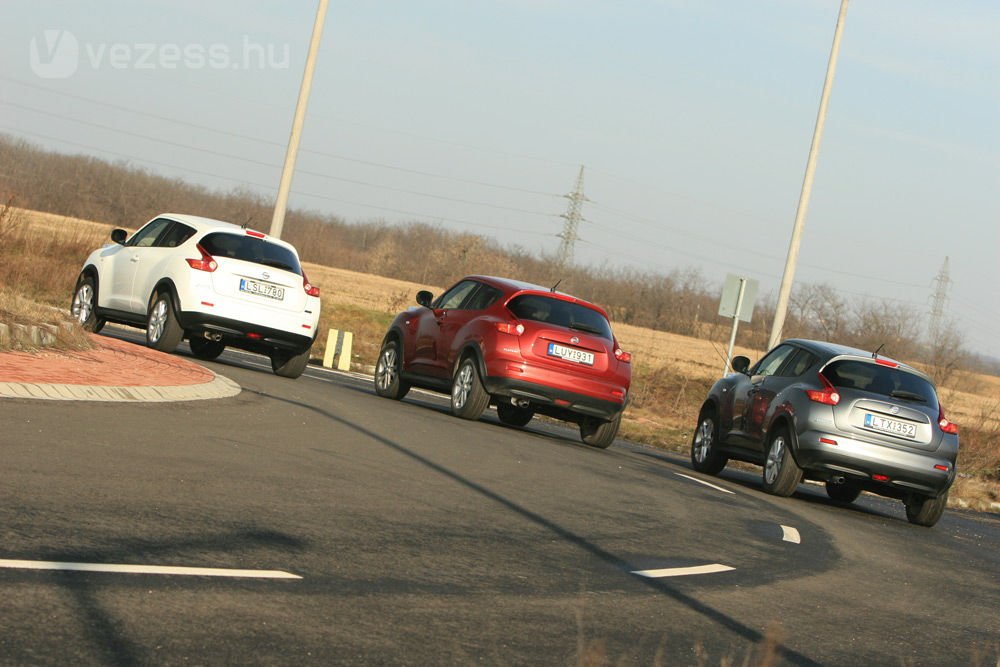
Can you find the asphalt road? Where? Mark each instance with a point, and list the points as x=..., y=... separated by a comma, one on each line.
x=419, y=538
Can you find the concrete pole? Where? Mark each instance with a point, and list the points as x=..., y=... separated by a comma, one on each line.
x=788, y=278
x=281, y=203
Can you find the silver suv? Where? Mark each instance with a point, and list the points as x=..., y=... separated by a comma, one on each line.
x=854, y=420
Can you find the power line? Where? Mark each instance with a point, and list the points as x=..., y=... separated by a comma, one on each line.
x=245, y=137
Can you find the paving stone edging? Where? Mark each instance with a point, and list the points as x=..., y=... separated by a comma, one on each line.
x=219, y=387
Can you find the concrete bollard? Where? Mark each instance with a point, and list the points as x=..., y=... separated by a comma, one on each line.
x=338, y=344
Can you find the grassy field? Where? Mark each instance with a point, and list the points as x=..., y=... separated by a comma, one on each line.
x=41, y=254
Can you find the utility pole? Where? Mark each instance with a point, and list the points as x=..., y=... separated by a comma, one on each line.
x=573, y=216
x=281, y=203
x=788, y=278
x=938, y=302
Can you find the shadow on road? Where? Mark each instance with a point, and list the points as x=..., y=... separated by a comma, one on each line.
x=562, y=533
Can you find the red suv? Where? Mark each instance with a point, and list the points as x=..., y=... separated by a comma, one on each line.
x=524, y=348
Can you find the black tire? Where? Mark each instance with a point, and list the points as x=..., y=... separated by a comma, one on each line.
x=845, y=492
x=84, y=307
x=388, y=382
x=288, y=365
x=598, y=433
x=781, y=473
x=705, y=454
x=511, y=415
x=163, y=331
x=468, y=396
x=925, y=511
x=206, y=349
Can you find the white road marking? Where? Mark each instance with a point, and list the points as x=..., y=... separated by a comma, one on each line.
x=790, y=534
x=683, y=571
x=701, y=481
x=145, y=569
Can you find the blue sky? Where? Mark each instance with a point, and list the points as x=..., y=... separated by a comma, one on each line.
x=692, y=119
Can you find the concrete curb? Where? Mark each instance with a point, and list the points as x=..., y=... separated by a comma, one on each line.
x=218, y=387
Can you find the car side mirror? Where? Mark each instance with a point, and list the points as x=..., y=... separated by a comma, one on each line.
x=741, y=364
x=424, y=298
x=119, y=236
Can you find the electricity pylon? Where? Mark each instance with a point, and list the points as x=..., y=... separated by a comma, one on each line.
x=939, y=300
x=573, y=216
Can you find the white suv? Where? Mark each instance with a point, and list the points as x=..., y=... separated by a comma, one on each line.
x=211, y=282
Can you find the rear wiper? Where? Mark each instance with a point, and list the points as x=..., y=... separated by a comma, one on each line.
x=277, y=265
x=907, y=395
x=579, y=326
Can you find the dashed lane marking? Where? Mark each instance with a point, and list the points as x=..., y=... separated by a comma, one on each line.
x=701, y=481
x=790, y=534
x=683, y=571
x=145, y=569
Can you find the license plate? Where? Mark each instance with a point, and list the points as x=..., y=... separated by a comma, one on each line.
x=571, y=354
x=891, y=426
x=262, y=289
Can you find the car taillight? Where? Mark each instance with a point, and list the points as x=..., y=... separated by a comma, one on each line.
x=622, y=356
x=512, y=328
x=828, y=395
x=204, y=263
x=310, y=289
x=946, y=426
x=257, y=235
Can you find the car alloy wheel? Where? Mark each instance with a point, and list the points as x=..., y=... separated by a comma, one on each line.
x=772, y=468
x=83, y=302
x=705, y=456
x=158, y=320
x=463, y=386
x=468, y=396
x=385, y=372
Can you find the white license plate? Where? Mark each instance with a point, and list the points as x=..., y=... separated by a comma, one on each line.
x=892, y=426
x=571, y=354
x=262, y=289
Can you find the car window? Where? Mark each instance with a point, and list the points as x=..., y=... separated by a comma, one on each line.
x=878, y=379
x=176, y=235
x=541, y=308
x=798, y=363
x=454, y=297
x=146, y=237
x=770, y=364
x=251, y=249
x=484, y=297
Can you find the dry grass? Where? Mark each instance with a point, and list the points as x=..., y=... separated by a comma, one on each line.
x=671, y=373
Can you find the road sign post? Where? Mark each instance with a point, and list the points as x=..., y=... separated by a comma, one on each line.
x=738, y=298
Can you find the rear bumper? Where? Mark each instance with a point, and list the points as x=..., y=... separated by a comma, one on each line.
x=908, y=471
x=244, y=335
x=558, y=402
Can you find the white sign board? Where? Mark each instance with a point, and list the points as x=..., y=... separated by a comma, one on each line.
x=731, y=297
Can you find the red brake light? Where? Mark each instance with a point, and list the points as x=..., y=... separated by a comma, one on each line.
x=512, y=328
x=623, y=356
x=204, y=263
x=828, y=395
x=310, y=289
x=946, y=426
x=886, y=362
x=256, y=234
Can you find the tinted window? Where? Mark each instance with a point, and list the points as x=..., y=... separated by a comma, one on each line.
x=251, y=249
x=798, y=364
x=484, y=297
x=146, y=237
x=770, y=364
x=454, y=297
x=882, y=380
x=561, y=313
x=175, y=236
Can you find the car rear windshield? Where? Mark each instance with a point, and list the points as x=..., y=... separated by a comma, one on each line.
x=882, y=380
x=251, y=249
x=560, y=313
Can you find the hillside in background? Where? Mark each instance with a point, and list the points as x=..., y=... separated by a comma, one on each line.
x=678, y=300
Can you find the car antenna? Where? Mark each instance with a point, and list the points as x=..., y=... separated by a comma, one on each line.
x=875, y=353
x=555, y=286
